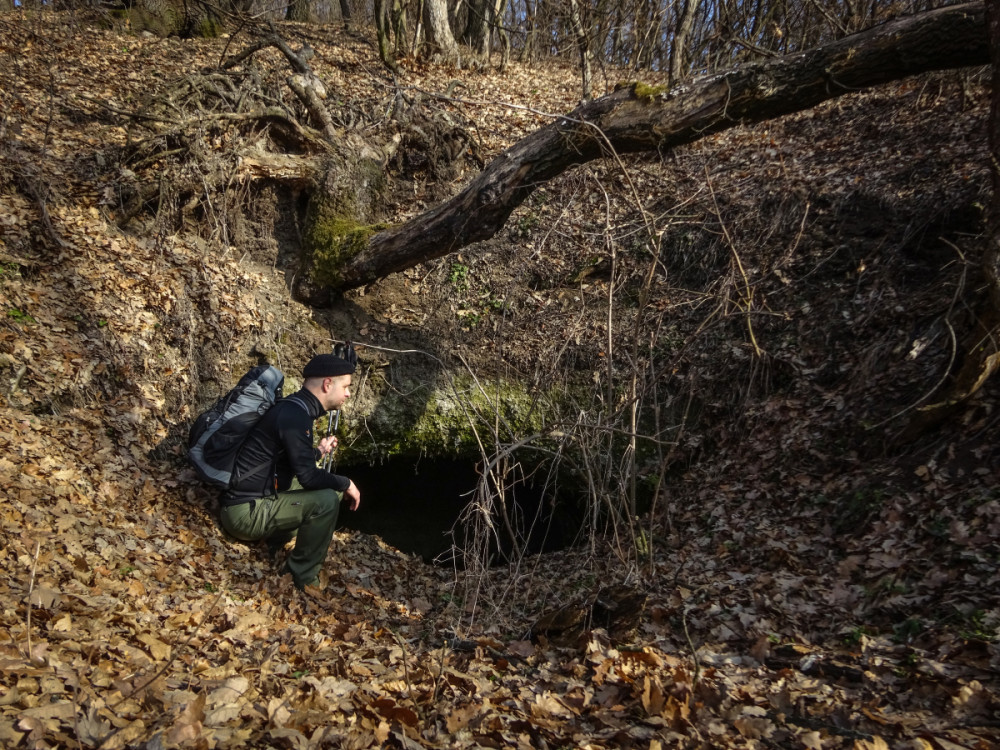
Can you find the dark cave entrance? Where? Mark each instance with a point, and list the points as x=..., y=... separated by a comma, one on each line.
x=415, y=506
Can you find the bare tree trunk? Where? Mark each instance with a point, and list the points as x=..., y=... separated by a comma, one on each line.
x=616, y=38
x=345, y=13
x=531, y=24
x=483, y=17
x=440, y=38
x=634, y=120
x=384, y=33
x=582, y=45
x=399, y=27
x=501, y=29
x=477, y=25
x=299, y=10
x=678, y=49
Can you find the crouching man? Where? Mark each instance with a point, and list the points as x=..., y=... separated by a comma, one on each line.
x=277, y=492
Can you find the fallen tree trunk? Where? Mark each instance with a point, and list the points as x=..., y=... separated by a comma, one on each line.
x=638, y=118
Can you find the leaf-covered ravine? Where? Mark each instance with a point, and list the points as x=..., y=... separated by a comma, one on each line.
x=799, y=570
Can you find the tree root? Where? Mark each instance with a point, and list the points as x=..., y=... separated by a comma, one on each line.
x=982, y=359
x=214, y=128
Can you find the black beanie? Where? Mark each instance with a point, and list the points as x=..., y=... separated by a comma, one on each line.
x=326, y=366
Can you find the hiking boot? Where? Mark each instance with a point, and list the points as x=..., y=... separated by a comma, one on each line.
x=313, y=584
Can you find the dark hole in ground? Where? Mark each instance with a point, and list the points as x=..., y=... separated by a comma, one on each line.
x=415, y=508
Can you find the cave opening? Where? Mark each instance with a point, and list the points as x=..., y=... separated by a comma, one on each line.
x=417, y=507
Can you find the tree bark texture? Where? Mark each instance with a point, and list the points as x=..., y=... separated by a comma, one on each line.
x=582, y=46
x=638, y=118
x=678, y=50
x=478, y=25
x=299, y=10
x=345, y=13
x=383, y=30
x=440, y=38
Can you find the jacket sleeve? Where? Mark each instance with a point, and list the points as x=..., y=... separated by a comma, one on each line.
x=295, y=431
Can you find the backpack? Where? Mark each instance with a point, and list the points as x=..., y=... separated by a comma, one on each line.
x=217, y=434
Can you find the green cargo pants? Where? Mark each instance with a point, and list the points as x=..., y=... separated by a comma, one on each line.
x=308, y=516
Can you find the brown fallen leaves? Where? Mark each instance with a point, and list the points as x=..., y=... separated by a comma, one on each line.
x=178, y=667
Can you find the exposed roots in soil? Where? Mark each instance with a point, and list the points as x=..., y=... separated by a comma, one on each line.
x=199, y=143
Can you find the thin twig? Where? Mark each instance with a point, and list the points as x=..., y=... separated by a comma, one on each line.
x=954, y=343
x=440, y=675
x=411, y=693
x=31, y=588
x=747, y=293
x=694, y=651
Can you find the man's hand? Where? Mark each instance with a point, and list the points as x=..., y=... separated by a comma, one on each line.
x=327, y=445
x=355, y=495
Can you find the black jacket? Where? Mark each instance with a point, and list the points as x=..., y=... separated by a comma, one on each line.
x=279, y=448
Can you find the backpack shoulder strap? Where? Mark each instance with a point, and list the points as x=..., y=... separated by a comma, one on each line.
x=298, y=401
x=258, y=467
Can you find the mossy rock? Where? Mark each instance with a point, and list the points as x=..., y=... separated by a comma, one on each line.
x=450, y=418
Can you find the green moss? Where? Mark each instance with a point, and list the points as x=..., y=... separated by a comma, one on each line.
x=333, y=241
x=446, y=424
x=448, y=420
x=335, y=227
x=644, y=91
x=209, y=28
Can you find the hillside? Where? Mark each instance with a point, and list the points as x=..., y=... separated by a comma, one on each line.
x=805, y=572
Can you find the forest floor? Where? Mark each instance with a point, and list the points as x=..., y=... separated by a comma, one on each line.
x=806, y=580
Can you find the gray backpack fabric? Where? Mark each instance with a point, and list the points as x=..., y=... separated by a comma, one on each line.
x=218, y=433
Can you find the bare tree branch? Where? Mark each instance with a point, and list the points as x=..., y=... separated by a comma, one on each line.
x=637, y=118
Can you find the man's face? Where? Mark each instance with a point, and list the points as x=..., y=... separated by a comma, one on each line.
x=338, y=391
